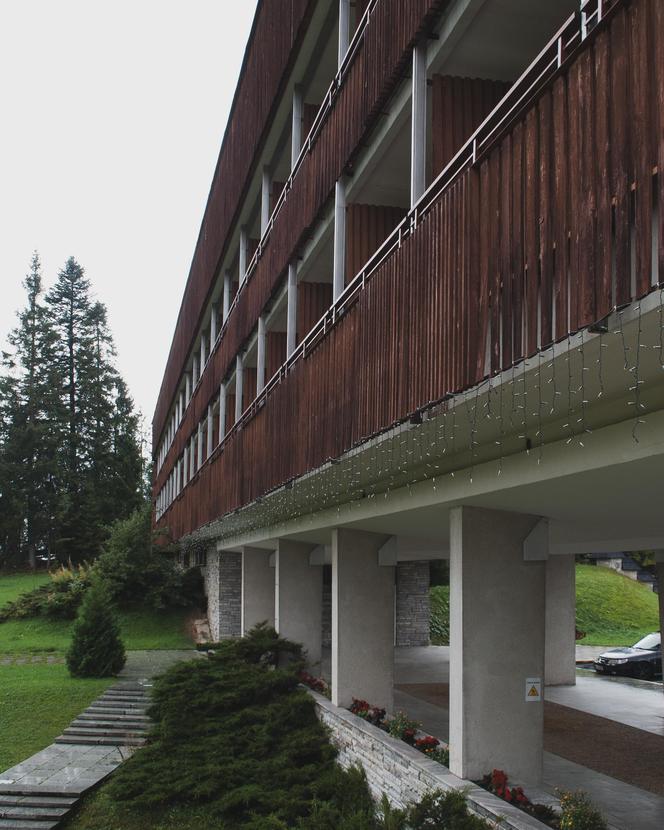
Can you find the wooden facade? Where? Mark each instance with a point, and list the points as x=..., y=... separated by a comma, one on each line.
x=544, y=234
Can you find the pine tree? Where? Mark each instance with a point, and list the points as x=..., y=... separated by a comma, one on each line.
x=96, y=648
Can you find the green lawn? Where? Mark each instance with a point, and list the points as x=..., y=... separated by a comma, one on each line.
x=612, y=609
x=141, y=629
x=36, y=703
x=11, y=585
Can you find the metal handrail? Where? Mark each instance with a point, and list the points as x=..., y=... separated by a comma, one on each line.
x=558, y=52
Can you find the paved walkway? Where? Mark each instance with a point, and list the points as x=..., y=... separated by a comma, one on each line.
x=37, y=793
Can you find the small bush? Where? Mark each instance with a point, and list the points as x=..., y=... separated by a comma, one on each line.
x=96, y=649
x=403, y=727
x=578, y=813
x=443, y=811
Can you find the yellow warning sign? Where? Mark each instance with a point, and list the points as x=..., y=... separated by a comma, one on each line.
x=533, y=689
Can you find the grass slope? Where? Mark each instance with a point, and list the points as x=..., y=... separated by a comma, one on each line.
x=11, y=585
x=141, y=629
x=36, y=703
x=613, y=609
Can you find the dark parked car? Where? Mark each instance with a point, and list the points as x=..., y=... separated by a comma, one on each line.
x=644, y=659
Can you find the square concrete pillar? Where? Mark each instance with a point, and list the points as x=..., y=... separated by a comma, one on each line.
x=298, y=598
x=560, y=630
x=257, y=588
x=496, y=646
x=362, y=620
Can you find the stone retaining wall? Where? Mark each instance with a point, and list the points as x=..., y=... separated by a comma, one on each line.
x=403, y=773
x=413, y=610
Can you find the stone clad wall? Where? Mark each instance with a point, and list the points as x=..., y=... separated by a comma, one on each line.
x=413, y=609
x=230, y=594
x=210, y=572
x=404, y=774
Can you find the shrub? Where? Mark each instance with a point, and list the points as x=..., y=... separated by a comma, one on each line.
x=60, y=598
x=443, y=811
x=96, y=649
x=402, y=727
x=578, y=813
x=135, y=570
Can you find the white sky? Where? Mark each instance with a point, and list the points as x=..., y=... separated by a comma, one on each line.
x=112, y=116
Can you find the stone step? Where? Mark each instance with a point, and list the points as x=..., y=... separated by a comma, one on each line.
x=125, y=698
x=103, y=741
x=42, y=790
x=130, y=707
x=36, y=801
x=88, y=715
x=109, y=724
x=105, y=710
x=21, y=813
x=17, y=824
x=104, y=732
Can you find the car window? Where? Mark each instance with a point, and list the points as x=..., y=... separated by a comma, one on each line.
x=651, y=642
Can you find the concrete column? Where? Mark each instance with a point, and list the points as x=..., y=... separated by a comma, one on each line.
x=210, y=429
x=296, y=126
x=203, y=352
x=187, y=387
x=413, y=608
x=496, y=646
x=266, y=186
x=418, y=131
x=226, y=300
x=260, y=362
x=257, y=588
x=291, y=324
x=230, y=594
x=659, y=560
x=344, y=30
x=213, y=328
x=182, y=406
x=339, y=264
x=195, y=371
x=298, y=603
x=222, y=412
x=242, y=255
x=560, y=626
x=362, y=620
x=199, y=462
x=239, y=378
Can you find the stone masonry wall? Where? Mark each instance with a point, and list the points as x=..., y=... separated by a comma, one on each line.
x=412, y=608
x=230, y=594
x=327, y=606
x=404, y=774
x=210, y=572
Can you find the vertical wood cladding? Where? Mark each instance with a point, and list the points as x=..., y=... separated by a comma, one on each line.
x=511, y=255
x=275, y=352
x=378, y=66
x=367, y=227
x=458, y=107
x=278, y=27
x=313, y=300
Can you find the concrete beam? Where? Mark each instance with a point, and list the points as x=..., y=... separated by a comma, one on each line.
x=411, y=549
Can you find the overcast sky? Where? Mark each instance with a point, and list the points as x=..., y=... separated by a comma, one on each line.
x=112, y=117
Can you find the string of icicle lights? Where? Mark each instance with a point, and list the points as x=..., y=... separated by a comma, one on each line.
x=519, y=405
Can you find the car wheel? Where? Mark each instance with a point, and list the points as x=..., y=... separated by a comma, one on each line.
x=644, y=671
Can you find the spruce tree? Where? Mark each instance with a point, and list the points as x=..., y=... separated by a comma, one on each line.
x=96, y=648
x=30, y=403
